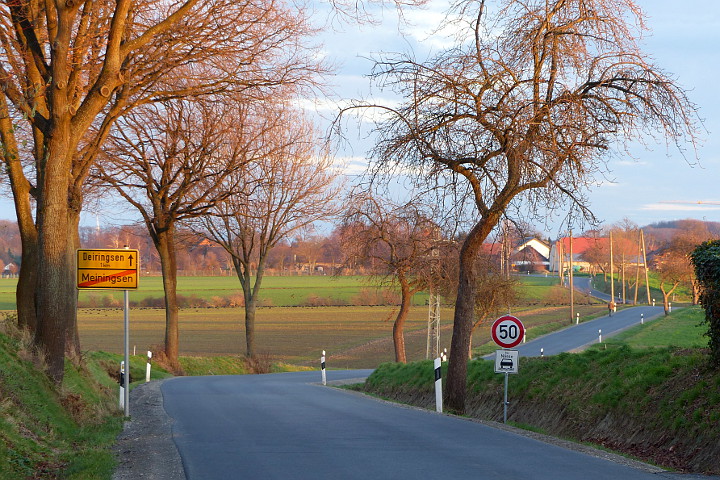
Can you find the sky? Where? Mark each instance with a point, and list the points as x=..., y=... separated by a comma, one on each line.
x=655, y=185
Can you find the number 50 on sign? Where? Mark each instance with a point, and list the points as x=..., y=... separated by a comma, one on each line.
x=507, y=331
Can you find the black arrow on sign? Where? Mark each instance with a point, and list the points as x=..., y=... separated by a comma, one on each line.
x=131, y=259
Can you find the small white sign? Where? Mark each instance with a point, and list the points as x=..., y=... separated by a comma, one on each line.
x=506, y=361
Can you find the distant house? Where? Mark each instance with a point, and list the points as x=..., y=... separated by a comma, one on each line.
x=10, y=270
x=531, y=255
x=560, y=250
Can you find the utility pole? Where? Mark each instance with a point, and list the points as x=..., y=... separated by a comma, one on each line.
x=433, y=335
x=612, y=273
x=644, y=255
x=570, y=276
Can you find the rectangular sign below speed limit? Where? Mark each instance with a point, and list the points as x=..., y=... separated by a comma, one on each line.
x=506, y=361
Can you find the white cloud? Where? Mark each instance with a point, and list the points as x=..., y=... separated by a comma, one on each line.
x=682, y=207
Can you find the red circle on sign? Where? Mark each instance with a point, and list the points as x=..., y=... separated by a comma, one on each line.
x=507, y=331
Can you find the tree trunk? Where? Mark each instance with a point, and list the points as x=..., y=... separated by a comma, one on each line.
x=399, y=325
x=695, y=292
x=250, y=307
x=26, y=286
x=666, y=297
x=72, y=342
x=456, y=386
x=242, y=267
x=27, y=281
x=165, y=244
x=53, y=309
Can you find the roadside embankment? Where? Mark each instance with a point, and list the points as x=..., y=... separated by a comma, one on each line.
x=658, y=405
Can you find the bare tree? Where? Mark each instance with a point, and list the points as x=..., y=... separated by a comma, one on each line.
x=69, y=69
x=523, y=110
x=398, y=241
x=287, y=186
x=597, y=253
x=673, y=263
x=673, y=269
x=692, y=234
x=172, y=162
x=495, y=292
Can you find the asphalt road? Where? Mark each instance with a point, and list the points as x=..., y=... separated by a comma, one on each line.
x=575, y=337
x=285, y=426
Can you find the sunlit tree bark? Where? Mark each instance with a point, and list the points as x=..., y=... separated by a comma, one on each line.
x=69, y=69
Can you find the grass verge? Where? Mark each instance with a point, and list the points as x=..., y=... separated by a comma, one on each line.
x=657, y=403
x=54, y=432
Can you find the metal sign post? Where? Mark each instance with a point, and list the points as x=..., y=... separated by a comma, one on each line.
x=505, y=400
x=112, y=269
x=126, y=319
x=506, y=361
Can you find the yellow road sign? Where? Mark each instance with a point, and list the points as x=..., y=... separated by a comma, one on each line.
x=107, y=269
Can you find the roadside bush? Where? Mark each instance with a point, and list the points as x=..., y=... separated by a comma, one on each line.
x=317, y=301
x=236, y=300
x=219, y=302
x=150, y=302
x=557, y=295
x=376, y=296
x=96, y=301
x=706, y=260
x=193, y=301
x=259, y=364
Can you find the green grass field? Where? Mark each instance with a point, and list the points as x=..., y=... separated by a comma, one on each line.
x=353, y=336
x=276, y=291
x=682, y=329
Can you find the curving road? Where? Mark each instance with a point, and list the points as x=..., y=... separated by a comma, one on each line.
x=286, y=426
x=575, y=337
x=283, y=426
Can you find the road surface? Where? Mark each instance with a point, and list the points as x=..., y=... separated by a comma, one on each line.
x=576, y=337
x=285, y=426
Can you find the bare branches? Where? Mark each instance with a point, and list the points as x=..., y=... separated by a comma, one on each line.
x=524, y=110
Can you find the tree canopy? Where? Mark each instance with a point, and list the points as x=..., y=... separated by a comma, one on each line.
x=523, y=111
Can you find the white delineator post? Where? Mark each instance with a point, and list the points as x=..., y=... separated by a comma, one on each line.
x=599, y=336
x=121, y=401
x=322, y=368
x=642, y=319
x=438, y=385
x=147, y=367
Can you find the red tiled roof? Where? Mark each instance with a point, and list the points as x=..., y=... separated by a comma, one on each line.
x=581, y=244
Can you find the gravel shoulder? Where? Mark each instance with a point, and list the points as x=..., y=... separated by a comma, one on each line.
x=145, y=448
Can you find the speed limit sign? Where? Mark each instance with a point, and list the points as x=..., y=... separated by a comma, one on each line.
x=507, y=331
